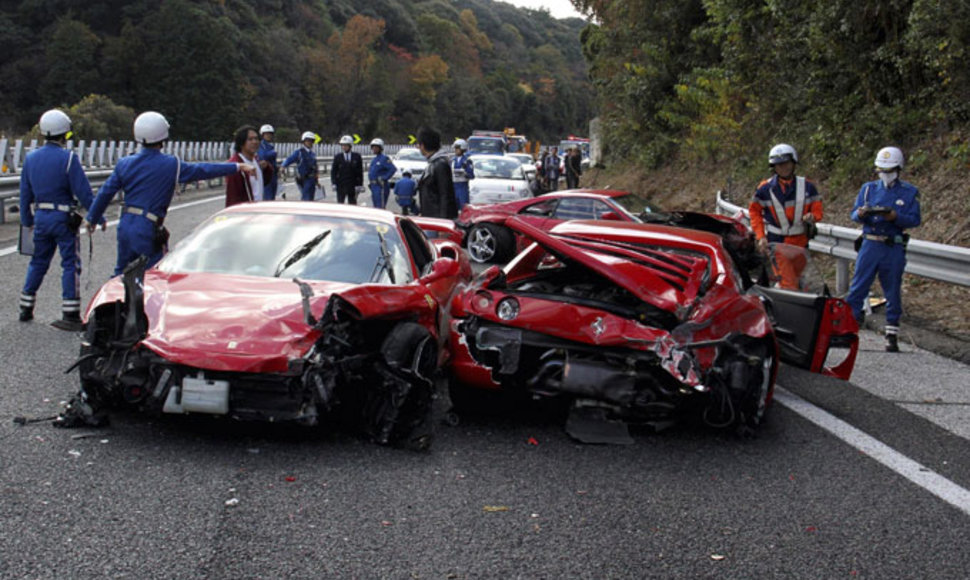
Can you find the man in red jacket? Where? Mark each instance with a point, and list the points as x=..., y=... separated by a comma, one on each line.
x=242, y=188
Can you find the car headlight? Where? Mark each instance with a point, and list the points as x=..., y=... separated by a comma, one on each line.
x=507, y=309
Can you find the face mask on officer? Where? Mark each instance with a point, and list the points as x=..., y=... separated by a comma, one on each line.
x=888, y=177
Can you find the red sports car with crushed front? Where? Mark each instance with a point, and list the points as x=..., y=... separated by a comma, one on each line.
x=638, y=323
x=489, y=240
x=277, y=312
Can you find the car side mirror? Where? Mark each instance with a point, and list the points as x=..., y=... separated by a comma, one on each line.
x=610, y=215
x=442, y=268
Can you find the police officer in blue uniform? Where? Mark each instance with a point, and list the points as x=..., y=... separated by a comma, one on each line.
x=379, y=173
x=462, y=172
x=51, y=180
x=404, y=194
x=267, y=155
x=306, y=166
x=149, y=178
x=885, y=208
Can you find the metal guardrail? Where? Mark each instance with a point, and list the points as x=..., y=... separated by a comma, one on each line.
x=99, y=158
x=927, y=259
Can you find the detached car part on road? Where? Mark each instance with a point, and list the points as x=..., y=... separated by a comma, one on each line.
x=280, y=312
x=637, y=323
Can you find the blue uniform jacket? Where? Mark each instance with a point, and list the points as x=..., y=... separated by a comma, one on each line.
x=464, y=162
x=901, y=196
x=267, y=152
x=381, y=167
x=52, y=174
x=148, y=179
x=404, y=189
x=306, y=162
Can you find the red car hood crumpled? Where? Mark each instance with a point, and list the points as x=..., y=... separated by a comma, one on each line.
x=225, y=323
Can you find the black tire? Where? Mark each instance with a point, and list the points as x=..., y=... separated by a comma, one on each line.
x=410, y=350
x=488, y=243
x=751, y=402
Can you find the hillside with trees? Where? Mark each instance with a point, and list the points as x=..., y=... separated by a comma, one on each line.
x=372, y=67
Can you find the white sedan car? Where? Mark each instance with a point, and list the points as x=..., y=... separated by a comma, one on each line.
x=528, y=163
x=409, y=159
x=498, y=178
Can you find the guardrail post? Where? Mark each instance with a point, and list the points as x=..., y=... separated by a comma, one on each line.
x=841, y=277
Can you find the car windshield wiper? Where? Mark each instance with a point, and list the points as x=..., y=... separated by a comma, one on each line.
x=299, y=253
x=383, y=261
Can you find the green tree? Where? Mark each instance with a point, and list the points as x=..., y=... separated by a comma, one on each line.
x=71, y=55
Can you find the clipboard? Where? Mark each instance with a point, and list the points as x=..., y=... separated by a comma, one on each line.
x=25, y=242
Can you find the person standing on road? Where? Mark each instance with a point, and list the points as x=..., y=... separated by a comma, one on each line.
x=347, y=172
x=784, y=210
x=463, y=171
x=306, y=168
x=573, y=167
x=436, y=188
x=379, y=173
x=245, y=188
x=51, y=180
x=550, y=169
x=268, y=162
x=404, y=191
x=149, y=178
x=886, y=208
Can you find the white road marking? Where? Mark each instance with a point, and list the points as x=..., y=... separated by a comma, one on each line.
x=922, y=476
x=112, y=223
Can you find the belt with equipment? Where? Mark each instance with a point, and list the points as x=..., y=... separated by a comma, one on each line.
x=142, y=212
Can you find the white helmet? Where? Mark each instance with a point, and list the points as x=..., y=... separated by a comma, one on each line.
x=461, y=144
x=150, y=128
x=781, y=153
x=266, y=129
x=346, y=140
x=378, y=142
x=308, y=135
x=54, y=123
x=889, y=158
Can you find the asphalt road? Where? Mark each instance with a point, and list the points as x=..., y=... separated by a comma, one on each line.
x=505, y=494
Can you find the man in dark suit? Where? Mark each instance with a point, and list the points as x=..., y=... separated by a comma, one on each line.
x=347, y=173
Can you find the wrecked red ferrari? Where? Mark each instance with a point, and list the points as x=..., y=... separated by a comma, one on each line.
x=280, y=312
x=637, y=323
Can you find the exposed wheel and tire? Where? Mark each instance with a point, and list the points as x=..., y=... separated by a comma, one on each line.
x=490, y=243
x=410, y=350
x=743, y=400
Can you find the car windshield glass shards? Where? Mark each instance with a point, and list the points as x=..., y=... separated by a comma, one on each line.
x=635, y=205
x=293, y=246
x=497, y=168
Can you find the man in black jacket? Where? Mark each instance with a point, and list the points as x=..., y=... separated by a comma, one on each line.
x=436, y=188
x=347, y=172
x=573, y=167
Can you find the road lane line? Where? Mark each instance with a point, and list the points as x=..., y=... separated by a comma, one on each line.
x=921, y=475
x=112, y=223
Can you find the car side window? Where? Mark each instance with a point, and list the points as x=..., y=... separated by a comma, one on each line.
x=544, y=208
x=575, y=208
x=600, y=208
x=418, y=245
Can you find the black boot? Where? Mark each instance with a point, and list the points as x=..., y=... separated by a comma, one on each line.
x=892, y=344
x=27, y=307
x=70, y=321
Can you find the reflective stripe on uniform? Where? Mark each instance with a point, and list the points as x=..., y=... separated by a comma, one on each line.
x=71, y=305
x=784, y=227
x=53, y=206
x=27, y=301
x=142, y=212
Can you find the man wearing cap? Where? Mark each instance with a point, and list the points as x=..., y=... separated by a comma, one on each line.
x=379, y=173
x=268, y=162
x=306, y=168
x=347, y=172
x=886, y=208
x=51, y=180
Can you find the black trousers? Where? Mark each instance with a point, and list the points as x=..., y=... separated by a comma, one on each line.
x=572, y=181
x=348, y=193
